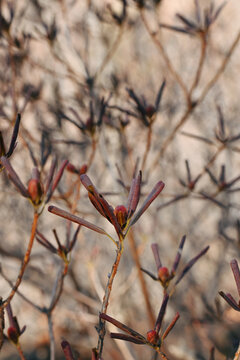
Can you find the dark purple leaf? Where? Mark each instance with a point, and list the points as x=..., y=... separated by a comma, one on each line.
x=121, y=326
x=150, y=274
x=127, y=338
x=161, y=313
x=190, y=264
x=230, y=300
x=55, y=210
x=72, y=243
x=159, y=95
x=134, y=195
x=14, y=136
x=152, y=196
x=14, y=177
x=67, y=350
x=100, y=203
x=156, y=255
x=178, y=256
x=187, y=22
x=43, y=241
x=236, y=273
x=171, y=325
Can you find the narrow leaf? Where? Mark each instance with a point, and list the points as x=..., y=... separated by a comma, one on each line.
x=159, y=95
x=230, y=300
x=156, y=255
x=127, y=338
x=57, y=179
x=152, y=196
x=186, y=21
x=66, y=215
x=67, y=350
x=190, y=264
x=14, y=177
x=178, y=256
x=134, y=195
x=170, y=327
x=149, y=274
x=14, y=136
x=161, y=313
x=121, y=326
x=74, y=239
x=50, y=176
x=43, y=241
x=236, y=273
x=100, y=203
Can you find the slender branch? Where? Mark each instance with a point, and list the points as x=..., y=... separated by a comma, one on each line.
x=101, y=327
x=51, y=336
x=200, y=65
x=148, y=145
x=164, y=55
x=135, y=255
x=20, y=352
x=25, y=261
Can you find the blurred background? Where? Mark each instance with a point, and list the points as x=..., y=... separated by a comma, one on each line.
x=77, y=72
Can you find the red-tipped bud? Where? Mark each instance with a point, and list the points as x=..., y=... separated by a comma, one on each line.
x=163, y=274
x=13, y=334
x=121, y=214
x=152, y=336
x=71, y=168
x=35, y=191
x=83, y=169
x=90, y=125
x=150, y=110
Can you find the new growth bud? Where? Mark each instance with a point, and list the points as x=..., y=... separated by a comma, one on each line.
x=152, y=336
x=35, y=188
x=163, y=275
x=121, y=214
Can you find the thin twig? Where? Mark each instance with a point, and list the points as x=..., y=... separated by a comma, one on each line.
x=135, y=255
x=101, y=328
x=25, y=261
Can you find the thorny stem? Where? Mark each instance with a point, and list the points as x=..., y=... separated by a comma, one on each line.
x=25, y=261
x=101, y=326
x=135, y=255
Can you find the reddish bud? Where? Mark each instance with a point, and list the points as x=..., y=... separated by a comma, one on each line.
x=83, y=169
x=71, y=168
x=152, y=336
x=35, y=191
x=90, y=125
x=121, y=214
x=13, y=334
x=163, y=274
x=150, y=110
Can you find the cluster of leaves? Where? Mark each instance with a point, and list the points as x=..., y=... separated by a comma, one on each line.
x=107, y=113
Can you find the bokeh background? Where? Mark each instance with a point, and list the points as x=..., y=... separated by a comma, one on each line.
x=59, y=59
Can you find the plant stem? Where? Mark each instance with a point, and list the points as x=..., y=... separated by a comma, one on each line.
x=101, y=327
x=25, y=261
x=135, y=255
